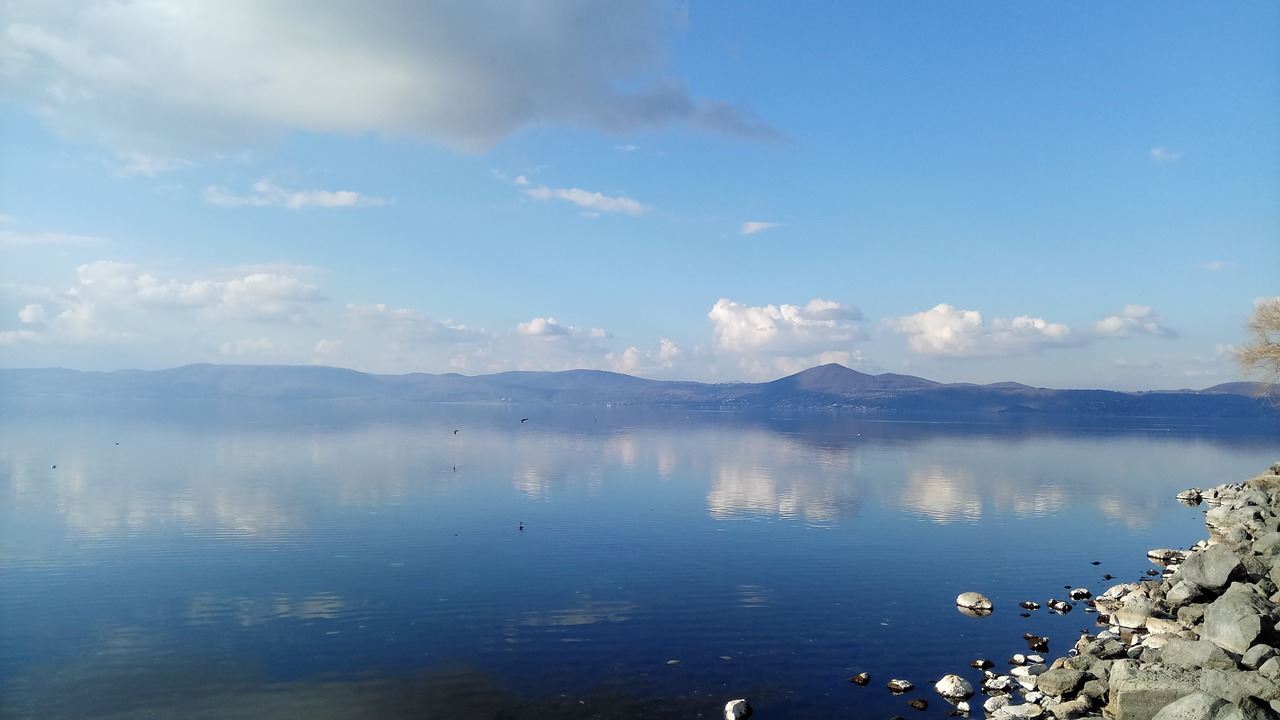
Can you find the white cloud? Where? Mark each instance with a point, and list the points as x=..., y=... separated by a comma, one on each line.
x=753, y=227
x=113, y=302
x=541, y=327
x=1161, y=155
x=590, y=200
x=784, y=329
x=33, y=313
x=635, y=361
x=946, y=331
x=159, y=78
x=266, y=193
x=1133, y=320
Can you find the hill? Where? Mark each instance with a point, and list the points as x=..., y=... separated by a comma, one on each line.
x=826, y=386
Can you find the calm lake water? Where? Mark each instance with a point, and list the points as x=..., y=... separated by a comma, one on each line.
x=329, y=561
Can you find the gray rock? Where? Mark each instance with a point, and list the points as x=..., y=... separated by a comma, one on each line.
x=1070, y=709
x=1267, y=545
x=1137, y=692
x=1212, y=569
x=1196, y=706
x=1094, y=690
x=995, y=703
x=1237, y=620
x=974, y=601
x=1060, y=683
x=1236, y=686
x=1191, y=615
x=1166, y=556
x=1186, y=591
x=1248, y=709
x=1192, y=654
x=1270, y=669
x=1257, y=655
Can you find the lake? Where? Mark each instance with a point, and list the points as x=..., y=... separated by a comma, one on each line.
x=333, y=560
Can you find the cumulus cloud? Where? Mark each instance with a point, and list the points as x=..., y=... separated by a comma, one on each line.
x=116, y=302
x=266, y=193
x=947, y=331
x=551, y=328
x=1133, y=320
x=783, y=329
x=33, y=313
x=753, y=227
x=635, y=361
x=1161, y=155
x=592, y=201
x=158, y=78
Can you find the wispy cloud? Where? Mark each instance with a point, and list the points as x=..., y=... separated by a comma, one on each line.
x=593, y=201
x=267, y=194
x=1161, y=154
x=754, y=226
x=1221, y=265
x=10, y=238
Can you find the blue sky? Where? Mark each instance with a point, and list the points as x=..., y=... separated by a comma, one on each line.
x=1066, y=195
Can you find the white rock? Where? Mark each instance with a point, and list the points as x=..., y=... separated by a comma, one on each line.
x=899, y=686
x=973, y=601
x=954, y=687
x=994, y=703
x=737, y=710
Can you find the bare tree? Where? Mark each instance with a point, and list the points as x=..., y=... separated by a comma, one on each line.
x=1260, y=355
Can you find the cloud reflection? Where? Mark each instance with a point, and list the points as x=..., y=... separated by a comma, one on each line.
x=942, y=496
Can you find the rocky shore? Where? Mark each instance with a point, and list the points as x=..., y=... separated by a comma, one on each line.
x=1198, y=641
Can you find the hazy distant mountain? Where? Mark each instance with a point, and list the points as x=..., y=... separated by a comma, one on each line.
x=826, y=386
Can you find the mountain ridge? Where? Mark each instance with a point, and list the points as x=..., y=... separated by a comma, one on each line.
x=829, y=386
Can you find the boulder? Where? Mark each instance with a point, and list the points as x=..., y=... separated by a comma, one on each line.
x=954, y=687
x=974, y=601
x=1213, y=569
x=1237, y=620
x=1060, y=682
x=1166, y=556
x=1186, y=591
x=1257, y=655
x=899, y=686
x=1192, y=654
x=1137, y=692
x=737, y=710
x=1236, y=686
x=1196, y=706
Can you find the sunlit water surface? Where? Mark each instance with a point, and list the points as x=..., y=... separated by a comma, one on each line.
x=329, y=561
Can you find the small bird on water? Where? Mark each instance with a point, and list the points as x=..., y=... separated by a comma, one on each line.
x=523, y=419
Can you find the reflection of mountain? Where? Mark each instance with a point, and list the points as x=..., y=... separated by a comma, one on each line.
x=826, y=386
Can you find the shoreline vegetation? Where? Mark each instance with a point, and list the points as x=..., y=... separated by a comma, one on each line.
x=1199, y=640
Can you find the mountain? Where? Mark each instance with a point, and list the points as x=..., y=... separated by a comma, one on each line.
x=822, y=387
